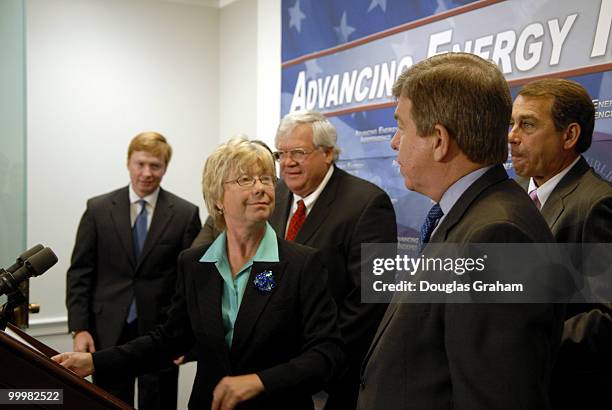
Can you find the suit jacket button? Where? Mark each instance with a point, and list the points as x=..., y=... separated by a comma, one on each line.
x=362, y=383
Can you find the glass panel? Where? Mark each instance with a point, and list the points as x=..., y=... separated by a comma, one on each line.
x=12, y=131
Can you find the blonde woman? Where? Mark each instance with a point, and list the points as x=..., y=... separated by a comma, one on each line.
x=256, y=306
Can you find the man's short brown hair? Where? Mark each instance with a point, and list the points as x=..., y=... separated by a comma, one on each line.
x=571, y=103
x=153, y=143
x=469, y=96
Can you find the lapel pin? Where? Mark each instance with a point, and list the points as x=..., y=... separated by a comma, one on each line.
x=264, y=281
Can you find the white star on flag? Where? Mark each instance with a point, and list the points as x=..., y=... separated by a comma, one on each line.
x=344, y=30
x=381, y=3
x=296, y=16
x=441, y=6
x=312, y=69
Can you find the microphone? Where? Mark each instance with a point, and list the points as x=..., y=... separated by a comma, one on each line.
x=35, y=265
x=23, y=257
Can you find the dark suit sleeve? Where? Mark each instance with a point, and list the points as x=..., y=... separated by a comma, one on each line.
x=154, y=350
x=588, y=335
x=499, y=354
x=192, y=229
x=207, y=234
x=598, y=225
x=81, y=274
x=320, y=354
x=376, y=224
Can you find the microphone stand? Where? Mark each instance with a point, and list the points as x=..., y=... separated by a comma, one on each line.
x=6, y=314
x=14, y=299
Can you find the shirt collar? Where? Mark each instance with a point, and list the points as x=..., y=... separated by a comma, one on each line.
x=151, y=198
x=311, y=198
x=267, y=251
x=454, y=192
x=547, y=187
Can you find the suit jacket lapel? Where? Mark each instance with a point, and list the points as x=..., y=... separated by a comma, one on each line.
x=209, y=292
x=161, y=218
x=120, y=214
x=319, y=212
x=555, y=204
x=553, y=208
x=253, y=303
x=493, y=176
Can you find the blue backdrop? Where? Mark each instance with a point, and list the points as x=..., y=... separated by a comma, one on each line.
x=341, y=57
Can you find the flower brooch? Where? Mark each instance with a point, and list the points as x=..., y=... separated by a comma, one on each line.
x=264, y=281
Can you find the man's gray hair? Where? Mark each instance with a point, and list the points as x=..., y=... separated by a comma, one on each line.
x=323, y=132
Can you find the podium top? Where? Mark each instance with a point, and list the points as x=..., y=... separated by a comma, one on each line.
x=31, y=369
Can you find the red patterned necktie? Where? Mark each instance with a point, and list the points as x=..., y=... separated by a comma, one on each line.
x=297, y=220
x=534, y=197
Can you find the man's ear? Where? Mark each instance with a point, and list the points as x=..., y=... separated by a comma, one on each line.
x=329, y=155
x=571, y=135
x=441, y=142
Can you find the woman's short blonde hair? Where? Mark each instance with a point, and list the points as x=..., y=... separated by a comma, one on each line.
x=236, y=157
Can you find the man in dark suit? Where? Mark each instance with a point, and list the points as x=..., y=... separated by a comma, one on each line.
x=452, y=113
x=552, y=125
x=322, y=206
x=123, y=268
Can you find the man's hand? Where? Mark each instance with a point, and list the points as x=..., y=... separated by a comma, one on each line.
x=79, y=363
x=232, y=390
x=83, y=342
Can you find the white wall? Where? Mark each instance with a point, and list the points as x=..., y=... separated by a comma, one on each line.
x=268, y=69
x=238, y=69
x=249, y=69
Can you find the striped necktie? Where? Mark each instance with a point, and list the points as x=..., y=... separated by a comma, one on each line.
x=534, y=197
x=297, y=220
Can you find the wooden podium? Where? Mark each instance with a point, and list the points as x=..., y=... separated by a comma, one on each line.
x=22, y=367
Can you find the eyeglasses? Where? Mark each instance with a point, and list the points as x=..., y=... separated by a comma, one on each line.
x=248, y=180
x=296, y=155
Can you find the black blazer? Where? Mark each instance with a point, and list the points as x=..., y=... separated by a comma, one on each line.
x=104, y=274
x=288, y=336
x=579, y=210
x=469, y=356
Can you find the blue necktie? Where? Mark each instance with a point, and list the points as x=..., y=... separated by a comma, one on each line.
x=139, y=234
x=139, y=230
x=434, y=215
